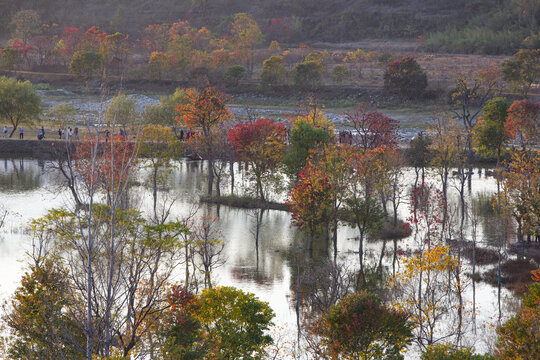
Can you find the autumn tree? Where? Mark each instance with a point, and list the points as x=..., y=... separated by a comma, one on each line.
x=179, y=334
x=373, y=129
x=450, y=352
x=68, y=43
x=340, y=73
x=311, y=202
x=148, y=253
x=154, y=38
x=202, y=112
x=360, y=326
x=261, y=144
x=158, y=65
x=85, y=63
x=406, y=78
x=518, y=336
x=164, y=113
x=470, y=95
x=235, y=323
x=121, y=111
x=245, y=35
x=114, y=49
x=521, y=191
x=273, y=72
x=220, y=323
x=424, y=289
x=490, y=132
x=44, y=44
x=448, y=149
x=40, y=317
x=309, y=132
x=522, y=70
x=334, y=160
x=522, y=123
x=10, y=57
x=361, y=203
x=92, y=40
x=20, y=102
x=25, y=24
x=419, y=155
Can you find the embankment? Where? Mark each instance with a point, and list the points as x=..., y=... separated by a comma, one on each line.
x=40, y=149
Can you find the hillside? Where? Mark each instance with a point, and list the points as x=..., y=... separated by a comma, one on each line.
x=477, y=26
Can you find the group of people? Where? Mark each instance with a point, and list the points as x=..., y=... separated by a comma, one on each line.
x=180, y=134
x=21, y=132
x=68, y=133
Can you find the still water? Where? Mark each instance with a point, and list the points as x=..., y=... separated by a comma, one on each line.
x=29, y=188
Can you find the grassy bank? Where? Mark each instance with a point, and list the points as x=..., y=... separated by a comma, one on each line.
x=244, y=202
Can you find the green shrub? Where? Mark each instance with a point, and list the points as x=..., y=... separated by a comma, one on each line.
x=340, y=73
x=307, y=75
x=10, y=57
x=85, y=63
x=273, y=72
x=234, y=74
x=449, y=352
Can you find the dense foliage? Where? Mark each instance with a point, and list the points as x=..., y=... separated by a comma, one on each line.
x=480, y=26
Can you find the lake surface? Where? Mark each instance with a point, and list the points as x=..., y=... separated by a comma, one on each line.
x=28, y=189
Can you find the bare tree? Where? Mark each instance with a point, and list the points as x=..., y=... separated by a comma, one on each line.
x=208, y=247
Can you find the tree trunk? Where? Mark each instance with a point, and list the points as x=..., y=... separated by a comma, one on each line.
x=231, y=170
x=210, y=176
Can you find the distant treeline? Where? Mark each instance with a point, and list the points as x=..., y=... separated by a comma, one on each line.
x=477, y=26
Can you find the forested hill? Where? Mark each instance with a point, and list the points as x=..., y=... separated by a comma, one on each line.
x=476, y=26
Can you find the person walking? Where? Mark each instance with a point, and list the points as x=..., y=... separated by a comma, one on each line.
x=41, y=134
x=5, y=132
x=76, y=133
x=60, y=133
x=21, y=133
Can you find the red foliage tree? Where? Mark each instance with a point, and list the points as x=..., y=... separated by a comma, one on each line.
x=106, y=166
x=68, y=42
x=374, y=129
x=262, y=145
x=154, y=38
x=522, y=121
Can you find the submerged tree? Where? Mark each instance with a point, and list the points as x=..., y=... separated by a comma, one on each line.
x=261, y=144
x=202, y=112
x=311, y=202
x=518, y=337
x=490, y=133
x=522, y=124
x=424, y=289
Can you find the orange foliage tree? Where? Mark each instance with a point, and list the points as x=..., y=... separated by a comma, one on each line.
x=521, y=191
x=203, y=111
x=311, y=202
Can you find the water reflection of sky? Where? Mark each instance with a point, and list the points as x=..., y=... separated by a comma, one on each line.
x=28, y=189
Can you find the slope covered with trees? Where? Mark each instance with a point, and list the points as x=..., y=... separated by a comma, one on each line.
x=479, y=26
